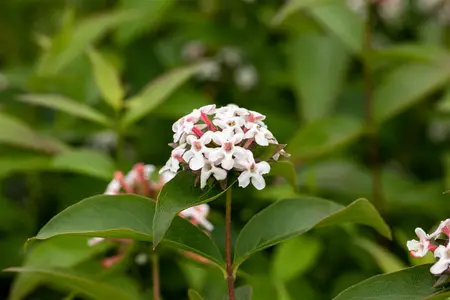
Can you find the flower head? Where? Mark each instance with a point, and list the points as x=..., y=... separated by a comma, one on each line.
x=211, y=142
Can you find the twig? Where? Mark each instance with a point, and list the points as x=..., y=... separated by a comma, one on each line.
x=230, y=279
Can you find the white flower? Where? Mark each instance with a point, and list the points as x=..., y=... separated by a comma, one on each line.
x=193, y=50
x=253, y=173
x=95, y=240
x=197, y=215
x=246, y=77
x=225, y=154
x=261, y=134
x=210, y=169
x=185, y=125
x=444, y=260
x=444, y=228
x=214, y=141
x=113, y=187
x=390, y=10
x=141, y=259
x=132, y=176
x=173, y=164
x=209, y=71
x=420, y=248
x=194, y=156
x=230, y=56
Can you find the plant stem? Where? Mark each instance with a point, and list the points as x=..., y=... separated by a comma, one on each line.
x=230, y=279
x=368, y=91
x=155, y=271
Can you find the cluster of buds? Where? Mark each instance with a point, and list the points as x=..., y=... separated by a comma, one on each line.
x=138, y=181
x=213, y=141
x=433, y=243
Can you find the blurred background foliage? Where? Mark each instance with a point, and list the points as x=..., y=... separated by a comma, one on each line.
x=360, y=120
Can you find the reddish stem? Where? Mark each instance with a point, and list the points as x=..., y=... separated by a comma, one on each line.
x=207, y=121
x=230, y=278
x=119, y=177
x=197, y=131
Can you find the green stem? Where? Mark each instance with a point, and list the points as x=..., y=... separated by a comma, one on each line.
x=368, y=91
x=155, y=271
x=230, y=278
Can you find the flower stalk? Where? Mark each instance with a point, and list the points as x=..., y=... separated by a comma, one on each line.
x=229, y=266
x=155, y=276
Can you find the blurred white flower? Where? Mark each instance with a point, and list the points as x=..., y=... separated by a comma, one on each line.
x=222, y=144
x=230, y=56
x=246, y=77
x=197, y=215
x=103, y=140
x=141, y=259
x=95, y=240
x=193, y=50
x=443, y=15
x=210, y=71
x=358, y=6
x=427, y=6
x=391, y=10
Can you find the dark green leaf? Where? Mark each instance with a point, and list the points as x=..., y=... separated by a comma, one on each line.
x=70, y=280
x=108, y=79
x=194, y=295
x=19, y=134
x=291, y=217
x=176, y=195
x=293, y=6
x=62, y=251
x=85, y=161
x=156, y=92
x=126, y=216
x=405, y=86
x=318, y=66
x=66, y=105
x=24, y=163
x=323, y=136
x=286, y=170
x=418, y=52
x=412, y=284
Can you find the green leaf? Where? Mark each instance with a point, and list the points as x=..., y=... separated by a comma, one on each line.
x=24, y=163
x=293, y=6
x=126, y=216
x=413, y=52
x=62, y=251
x=16, y=133
x=85, y=161
x=284, y=268
x=156, y=92
x=412, y=284
x=292, y=217
x=323, y=136
x=80, y=284
x=154, y=12
x=345, y=24
x=405, y=86
x=386, y=260
x=286, y=170
x=66, y=105
x=107, y=79
x=318, y=66
x=439, y=296
x=65, y=48
x=179, y=194
x=194, y=295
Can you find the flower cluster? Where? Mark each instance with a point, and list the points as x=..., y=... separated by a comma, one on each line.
x=433, y=243
x=213, y=141
x=138, y=181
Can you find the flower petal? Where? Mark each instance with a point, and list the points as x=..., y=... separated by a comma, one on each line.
x=258, y=182
x=244, y=179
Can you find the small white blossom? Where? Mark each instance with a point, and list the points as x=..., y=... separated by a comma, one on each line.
x=419, y=248
x=253, y=173
x=195, y=156
x=228, y=150
x=230, y=56
x=141, y=259
x=246, y=77
x=212, y=141
x=443, y=253
x=210, y=71
x=193, y=50
x=391, y=10
x=197, y=215
x=95, y=240
x=443, y=228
